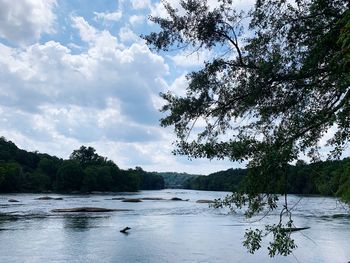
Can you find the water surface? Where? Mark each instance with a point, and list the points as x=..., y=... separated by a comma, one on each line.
x=162, y=231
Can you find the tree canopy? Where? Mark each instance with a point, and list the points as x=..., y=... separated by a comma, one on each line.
x=85, y=171
x=269, y=94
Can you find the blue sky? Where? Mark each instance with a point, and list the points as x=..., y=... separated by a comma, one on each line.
x=76, y=72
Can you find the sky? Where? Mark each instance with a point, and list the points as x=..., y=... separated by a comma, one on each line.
x=76, y=72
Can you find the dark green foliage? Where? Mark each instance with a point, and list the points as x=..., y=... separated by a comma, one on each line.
x=37, y=182
x=228, y=180
x=344, y=181
x=87, y=156
x=329, y=178
x=149, y=181
x=265, y=97
x=69, y=176
x=174, y=180
x=85, y=171
x=11, y=177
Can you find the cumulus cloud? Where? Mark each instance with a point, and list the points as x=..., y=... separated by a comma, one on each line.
x=191, y=59
x=136, y=19
x=179, y=85
x=127, y=35
x=106, y=17
x=105, y=91
x=87, y=32
x=157, y=8
x=101, y=91
x=24, y=22
x=140, y=4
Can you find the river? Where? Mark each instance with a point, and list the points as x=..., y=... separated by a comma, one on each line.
x=161, y=230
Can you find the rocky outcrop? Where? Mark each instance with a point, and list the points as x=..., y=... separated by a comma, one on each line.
x=87, y=209
x=13, y=201
x=178, y=199
x=48, y=198
x=294, y=229
x=132, y=200
x=152, y=198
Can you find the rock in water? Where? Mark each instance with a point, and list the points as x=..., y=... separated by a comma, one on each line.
x=125, y=230
x=152, y=198
x=294, y=229
x=49, y=198
x=132, y=200
x=178, y=199
x=87, y=209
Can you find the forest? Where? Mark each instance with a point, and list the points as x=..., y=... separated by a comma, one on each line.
x=331, y=178
x=84, y=171
x=174, y=180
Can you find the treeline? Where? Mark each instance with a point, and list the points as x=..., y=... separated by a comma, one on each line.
x=84, y=171
x=229, y=180
x=331, y=178
x=173, y=180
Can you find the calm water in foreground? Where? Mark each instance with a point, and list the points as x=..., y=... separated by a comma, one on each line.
x=162, y=231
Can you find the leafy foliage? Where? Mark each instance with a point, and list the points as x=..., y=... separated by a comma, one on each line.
x=228, y=180
x=267, y=96
x=173, y=180
x=85, y=171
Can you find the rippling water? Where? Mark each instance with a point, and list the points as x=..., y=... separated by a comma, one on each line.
x=162, y=231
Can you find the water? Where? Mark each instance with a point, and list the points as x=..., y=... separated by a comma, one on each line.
x=162, y=231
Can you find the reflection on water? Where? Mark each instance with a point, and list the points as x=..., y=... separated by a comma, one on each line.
x=81, y=222
x=77, y=222
x=161, y=230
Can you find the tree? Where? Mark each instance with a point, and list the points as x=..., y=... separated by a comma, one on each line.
x=70, y=176
x=10, y=177
x=268, y=95
x=87, y=156
x=38, y=182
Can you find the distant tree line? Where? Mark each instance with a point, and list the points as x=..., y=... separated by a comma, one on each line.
x=331, y=178
x=173, y=180
x=84, y=171
x=229, y=180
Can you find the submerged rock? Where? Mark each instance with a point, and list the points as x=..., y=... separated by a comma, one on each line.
x=13, y=201
x=204, y=201
x=48, y=198
x=178, y=199
x=294, y=229
x=87, y=209
x=132, y=200
x=125, y=230
x=117, y=198
x=152, y=198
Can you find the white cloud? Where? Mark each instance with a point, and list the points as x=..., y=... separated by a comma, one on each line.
x=55, y=96
x=157, y=8
x=191, y=58
x=179, y=85
x=23, y=22
x=106, y=17
x=127, y=35
x=87, y=32
x=141, y=4
x=136, y=19
x=77, y=90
